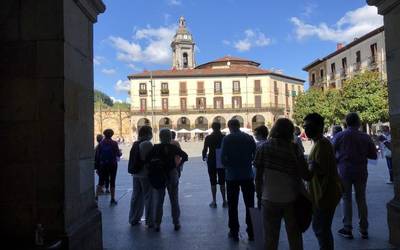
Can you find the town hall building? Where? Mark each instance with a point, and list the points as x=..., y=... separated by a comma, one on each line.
x=190, y=96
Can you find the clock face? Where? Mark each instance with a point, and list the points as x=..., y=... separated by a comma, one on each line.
x=185, y=37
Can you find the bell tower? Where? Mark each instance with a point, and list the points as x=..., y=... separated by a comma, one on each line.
x=183, y=48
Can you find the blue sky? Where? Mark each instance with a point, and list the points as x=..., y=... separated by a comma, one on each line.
x=133, y=35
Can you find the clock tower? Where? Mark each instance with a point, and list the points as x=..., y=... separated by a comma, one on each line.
x=183, y=48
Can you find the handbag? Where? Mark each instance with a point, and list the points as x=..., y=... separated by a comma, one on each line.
x=303, y=212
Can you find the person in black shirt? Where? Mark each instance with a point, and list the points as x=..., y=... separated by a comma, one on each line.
x=212, y=145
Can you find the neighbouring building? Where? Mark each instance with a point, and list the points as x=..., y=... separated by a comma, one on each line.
x=189, y=96
x=363, y=53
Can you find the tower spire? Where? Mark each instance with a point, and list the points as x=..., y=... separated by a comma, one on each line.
x=183, y=47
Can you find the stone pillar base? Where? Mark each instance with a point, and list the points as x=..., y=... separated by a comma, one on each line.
x=393, y=216
x=87, y=235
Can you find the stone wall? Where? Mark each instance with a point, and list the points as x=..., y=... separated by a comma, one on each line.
x=117, y=120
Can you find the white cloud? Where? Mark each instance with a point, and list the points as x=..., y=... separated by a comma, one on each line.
x=97, y=60
x=353, y=24
x=252, y=39
x=115, y=100
x=121, y=85
x=308, y=9
x=109, y=71
x=174, y=2
x=149, y=45
x=134, y=67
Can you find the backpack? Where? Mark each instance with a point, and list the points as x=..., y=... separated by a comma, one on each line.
x=107, y=154
x=159, y=166
x=135, y=164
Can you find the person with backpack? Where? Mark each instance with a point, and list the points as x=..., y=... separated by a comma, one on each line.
x=164, y=174
x=141, y=193
x=106, y=158
x=212, y=145
x=99, y=138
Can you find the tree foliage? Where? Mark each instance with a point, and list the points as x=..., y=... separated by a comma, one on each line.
x=100, y=97
x=364, y=93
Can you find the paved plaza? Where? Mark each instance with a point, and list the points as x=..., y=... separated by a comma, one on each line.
x=206, y=228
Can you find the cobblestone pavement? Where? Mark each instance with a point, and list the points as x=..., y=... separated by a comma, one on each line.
x=206, y=228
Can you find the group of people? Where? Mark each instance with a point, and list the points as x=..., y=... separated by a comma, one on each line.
x=271, y=166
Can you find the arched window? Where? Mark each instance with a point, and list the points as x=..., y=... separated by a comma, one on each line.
x=185, y=60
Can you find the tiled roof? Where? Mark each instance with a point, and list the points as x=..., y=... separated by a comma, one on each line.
x=234, y=70
x=230, y=59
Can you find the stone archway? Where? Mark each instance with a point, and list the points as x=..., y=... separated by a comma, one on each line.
x=165, y=122
x=221, y=120
x=201, y=123
x=143, y=122
x=257, y=120
x=240, y=119
x=183, y=123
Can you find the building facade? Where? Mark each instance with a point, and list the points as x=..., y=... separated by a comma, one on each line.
x=189, y=96
x=364, y=53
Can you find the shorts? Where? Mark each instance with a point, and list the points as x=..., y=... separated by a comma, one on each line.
x=217, y=175
x=107, y=173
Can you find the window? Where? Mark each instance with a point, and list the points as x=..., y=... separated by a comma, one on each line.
x=374, y=50
x=201, y=103
x=276, y=90
x=257, y=101
x=165, y=104
x=287, y=95
x=217, y=88
x=143, y=104
x=236, y=102
x=142, y=89
x=182, y=88
x=164, y=88
x=358, y=56
x=344, y=67
x=200, y=88
x=185, y=60
x=333, y=71
x=183, y=104
x=257, y=86
x=276, y=100
x=312, y=79
x=218, y=102
x=321, y=73
x=236, y=87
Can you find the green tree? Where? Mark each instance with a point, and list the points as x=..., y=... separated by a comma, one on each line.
x=332, y=107
x=308, y=102
x=100, y=97
x=366, y=94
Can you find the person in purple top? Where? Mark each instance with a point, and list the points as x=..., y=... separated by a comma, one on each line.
x=353, y=149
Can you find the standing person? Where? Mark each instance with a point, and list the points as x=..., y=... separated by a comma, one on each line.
x=280, y=166
x=99, y=138
x=141, y=193
x=212, y=145
x=325, y=187
x=162, y=163
x=386, y=145
x=106, y=157
x=353, y=149
x=177, y=158
x=237, y=155
x=261, y=135
x=297, y=139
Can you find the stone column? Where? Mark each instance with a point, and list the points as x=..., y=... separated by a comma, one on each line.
x=46, y=123
x=390, y=9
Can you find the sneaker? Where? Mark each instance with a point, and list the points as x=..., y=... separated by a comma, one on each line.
x=233, y=236
x=107, y=191
x=224, y=204
x=213, y=204
x=389, y=182
x=364, y=235
x=346, y=233
x=113, y=202
x=177, y=227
